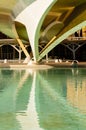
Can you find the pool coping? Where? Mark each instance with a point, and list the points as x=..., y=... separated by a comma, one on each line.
x=42, y=65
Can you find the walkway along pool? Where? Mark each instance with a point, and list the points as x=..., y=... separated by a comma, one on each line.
x=47, y=99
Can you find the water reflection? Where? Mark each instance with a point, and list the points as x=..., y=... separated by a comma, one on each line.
x=29, y=120
x=53, y=99
x=8, y=82
x=76, y=90
x=56, y=111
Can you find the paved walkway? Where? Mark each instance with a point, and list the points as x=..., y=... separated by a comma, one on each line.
x=42, y=65
x=67, y=64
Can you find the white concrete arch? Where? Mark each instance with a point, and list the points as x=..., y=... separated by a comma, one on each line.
x=32, y=17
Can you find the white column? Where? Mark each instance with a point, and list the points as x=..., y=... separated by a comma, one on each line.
x=32, y=17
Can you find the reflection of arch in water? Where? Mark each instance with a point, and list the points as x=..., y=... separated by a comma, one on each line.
x=23, y=91
x=54, y=111
x=75, y=71
x=29, y=118
x=15, y=98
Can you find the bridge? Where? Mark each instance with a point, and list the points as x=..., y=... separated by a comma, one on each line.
x=37, y=22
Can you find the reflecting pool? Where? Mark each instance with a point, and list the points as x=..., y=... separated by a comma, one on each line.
x=47, y=99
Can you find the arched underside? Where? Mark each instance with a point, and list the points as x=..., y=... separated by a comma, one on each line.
x=70, y=18
x=73, y=23
x=55, y=41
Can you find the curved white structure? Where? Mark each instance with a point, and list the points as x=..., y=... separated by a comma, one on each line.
x=32, y=17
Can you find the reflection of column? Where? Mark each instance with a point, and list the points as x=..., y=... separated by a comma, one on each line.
x=76, y=93
x=29, y=120
x=23, y=79
x=31, y=110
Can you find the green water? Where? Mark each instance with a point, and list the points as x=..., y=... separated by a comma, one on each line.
x=53, y=99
